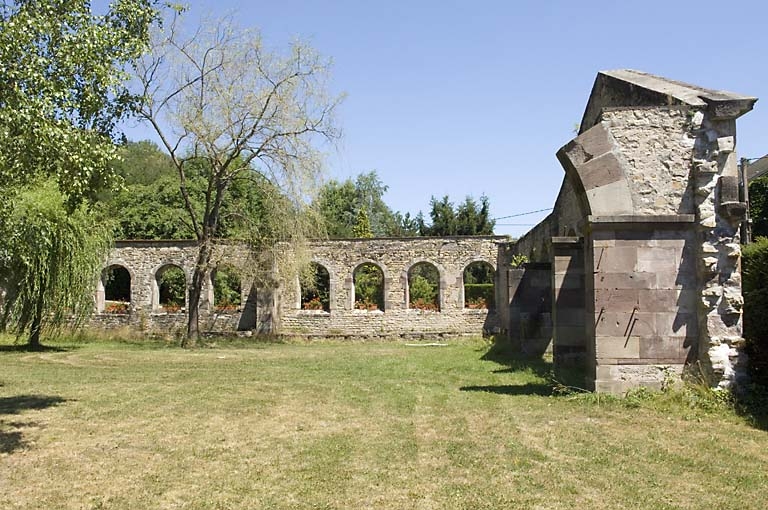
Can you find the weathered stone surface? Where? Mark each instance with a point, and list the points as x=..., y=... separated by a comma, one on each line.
x=660, y=241
x=280, y=312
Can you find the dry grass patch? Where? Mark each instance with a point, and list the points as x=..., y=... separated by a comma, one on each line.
x=379, y=425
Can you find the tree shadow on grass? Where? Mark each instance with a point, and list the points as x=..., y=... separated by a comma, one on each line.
x=19, y=403
x=543, y=390
x=11, y=437
x=28, y=348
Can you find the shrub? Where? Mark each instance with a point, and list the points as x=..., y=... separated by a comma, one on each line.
x=117, y=308
x=476, y=294
x=313, y=304
x=755, y=287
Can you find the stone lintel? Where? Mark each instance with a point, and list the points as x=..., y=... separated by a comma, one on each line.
x=645, y=222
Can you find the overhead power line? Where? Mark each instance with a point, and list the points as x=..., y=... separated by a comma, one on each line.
x=521, y=214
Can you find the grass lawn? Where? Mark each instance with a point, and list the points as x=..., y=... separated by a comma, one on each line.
x=359, y=425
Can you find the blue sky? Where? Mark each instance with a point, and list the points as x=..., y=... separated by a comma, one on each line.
x=470, y=98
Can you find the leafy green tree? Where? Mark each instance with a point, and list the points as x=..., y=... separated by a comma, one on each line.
x=64, y=89
x=50, y=260
x=362, y=228
x=340, y=203
x=406, y=226
x=468, y=219
x=227, y=108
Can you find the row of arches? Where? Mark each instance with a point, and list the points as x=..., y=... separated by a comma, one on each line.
x=368, y=288
x=422, y=289
x=169, y=289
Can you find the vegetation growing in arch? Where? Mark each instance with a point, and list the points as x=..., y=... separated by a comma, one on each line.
x=227, y=289
x=424, y=287
x=369, y=287
x=117, y=289
x=479, y=289
x=315, y=288
x=171, y=288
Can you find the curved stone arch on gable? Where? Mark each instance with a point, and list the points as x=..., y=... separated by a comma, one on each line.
x=350, y=281
x=328, y=266
x=155, y=290
x=460, y=279
x=598, y=172
x=442, y=281
x=100, y=295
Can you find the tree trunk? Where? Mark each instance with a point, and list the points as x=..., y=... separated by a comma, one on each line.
x=195, y=293
x=34, y=332
x=37, y=322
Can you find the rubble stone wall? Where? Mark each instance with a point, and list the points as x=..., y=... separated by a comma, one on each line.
x=143, y=260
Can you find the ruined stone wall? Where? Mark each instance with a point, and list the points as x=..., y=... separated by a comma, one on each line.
x=279, y=311
x=655, y=166
x=394, y=257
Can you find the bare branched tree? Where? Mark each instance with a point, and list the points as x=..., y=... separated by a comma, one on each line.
x=217, y=96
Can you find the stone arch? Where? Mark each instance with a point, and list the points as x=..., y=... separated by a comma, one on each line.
x=319, y=295
x=366, y=272
x=114, y=290
x=408, y=273
x=478, y=297
x=160, y=299
x=596, y=169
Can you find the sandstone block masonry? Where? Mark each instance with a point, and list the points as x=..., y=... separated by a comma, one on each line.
x=650, y=202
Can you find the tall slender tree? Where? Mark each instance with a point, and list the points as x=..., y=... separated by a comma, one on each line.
x=217, y=97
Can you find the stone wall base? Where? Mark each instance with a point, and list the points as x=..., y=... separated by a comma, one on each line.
x=619, y=379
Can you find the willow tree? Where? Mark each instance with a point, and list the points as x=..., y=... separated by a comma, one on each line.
x=218, y=95
x=49, y=262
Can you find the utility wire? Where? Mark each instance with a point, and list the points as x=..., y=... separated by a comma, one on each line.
x=521, y=214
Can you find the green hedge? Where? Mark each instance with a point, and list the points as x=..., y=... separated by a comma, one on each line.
x=754, y=270
x=475, y=291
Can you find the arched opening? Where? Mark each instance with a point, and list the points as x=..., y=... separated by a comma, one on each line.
x=369, y=287
x=424, y=287
x=316, y=288
x=117, y=289
x=227, y=289
x=171, y=288
x=479, y=290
